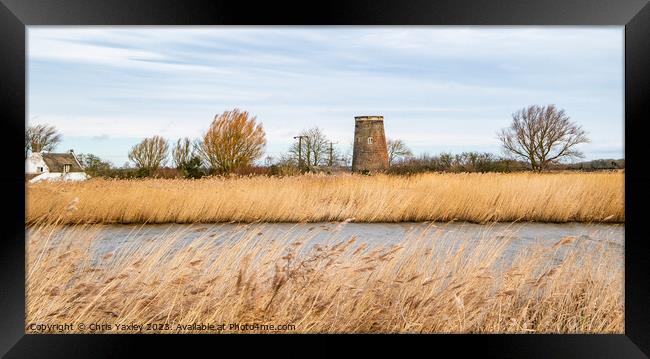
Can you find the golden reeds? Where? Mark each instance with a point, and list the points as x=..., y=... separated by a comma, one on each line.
x=335, y=286
x=474, y=197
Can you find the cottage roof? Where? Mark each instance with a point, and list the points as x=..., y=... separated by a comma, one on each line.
x=55, y=162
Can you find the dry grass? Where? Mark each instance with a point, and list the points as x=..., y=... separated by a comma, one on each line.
x=474, y=197
x=416, y=287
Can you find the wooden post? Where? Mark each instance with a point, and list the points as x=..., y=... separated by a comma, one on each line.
x=299, y=151
x=331, y=154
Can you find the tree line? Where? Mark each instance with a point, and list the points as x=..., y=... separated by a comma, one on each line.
x=539, y=138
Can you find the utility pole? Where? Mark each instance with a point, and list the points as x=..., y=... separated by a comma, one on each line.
x=299, y=150
x=331, y=152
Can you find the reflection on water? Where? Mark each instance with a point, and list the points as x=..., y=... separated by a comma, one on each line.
x=518, y=236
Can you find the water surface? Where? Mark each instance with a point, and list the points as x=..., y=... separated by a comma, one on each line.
x=516, y=237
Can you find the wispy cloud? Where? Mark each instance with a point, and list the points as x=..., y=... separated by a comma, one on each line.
x=436, y=86
x=102, y=137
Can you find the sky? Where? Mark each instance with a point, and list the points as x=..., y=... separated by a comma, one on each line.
x=440, y=89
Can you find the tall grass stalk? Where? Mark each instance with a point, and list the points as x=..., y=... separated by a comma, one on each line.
x=336, y=286
x=473, y=197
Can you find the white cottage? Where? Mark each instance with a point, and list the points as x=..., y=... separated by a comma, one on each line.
x=41, y=166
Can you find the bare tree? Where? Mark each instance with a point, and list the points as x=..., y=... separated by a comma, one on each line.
x=268, y=161
x=41, y=138
x=315, y=147
x=234, y=140
x=397, y=150
x=186, y=157
x=182, y=152
x=346, y=156
x=542, y=135
x=150, y=154
x=93, y=165
x=28, y=145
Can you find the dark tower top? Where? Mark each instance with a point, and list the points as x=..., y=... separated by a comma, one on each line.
x=370, y=152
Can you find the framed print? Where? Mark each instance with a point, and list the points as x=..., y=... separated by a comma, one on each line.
x=460, y=175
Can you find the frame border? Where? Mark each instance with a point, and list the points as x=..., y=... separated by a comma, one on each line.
x=16, y=15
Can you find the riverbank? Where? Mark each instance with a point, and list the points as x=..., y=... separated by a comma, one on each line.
x=442, y=197
x=420, y=284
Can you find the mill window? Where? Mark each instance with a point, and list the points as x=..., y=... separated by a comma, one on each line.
x=39, y=169
x=370, y=140
x=66, y=168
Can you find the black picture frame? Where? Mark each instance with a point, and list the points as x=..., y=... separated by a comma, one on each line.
x=15, y=15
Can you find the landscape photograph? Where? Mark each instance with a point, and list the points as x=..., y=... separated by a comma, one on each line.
x=324, y=179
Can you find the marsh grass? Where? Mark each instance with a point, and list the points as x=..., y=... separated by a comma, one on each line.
x=335, y=286
x=472, y=197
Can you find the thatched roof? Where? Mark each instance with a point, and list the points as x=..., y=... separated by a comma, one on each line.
x=29, y=176
x=55, y=162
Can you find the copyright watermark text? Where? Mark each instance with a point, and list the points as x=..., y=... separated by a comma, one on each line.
x=156, y=327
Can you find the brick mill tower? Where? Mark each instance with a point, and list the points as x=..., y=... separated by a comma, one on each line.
x=370, y=153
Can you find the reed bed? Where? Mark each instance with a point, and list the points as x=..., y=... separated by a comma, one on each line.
x=336, y=286
x=472, y=197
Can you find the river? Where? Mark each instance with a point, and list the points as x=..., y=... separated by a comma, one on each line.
x=517, y=236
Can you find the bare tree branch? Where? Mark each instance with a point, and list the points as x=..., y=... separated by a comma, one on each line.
x=541, y=136
x=315, y=147
x=41, y=138
x=182, y=152
x=397, y=150
x=150, y=154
